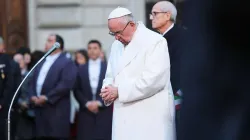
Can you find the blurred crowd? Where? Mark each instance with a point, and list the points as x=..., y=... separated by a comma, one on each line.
x=76, y=110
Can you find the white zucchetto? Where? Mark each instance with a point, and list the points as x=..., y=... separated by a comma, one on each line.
x=119, y=12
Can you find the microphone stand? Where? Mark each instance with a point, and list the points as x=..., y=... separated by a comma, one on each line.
x=55, y=46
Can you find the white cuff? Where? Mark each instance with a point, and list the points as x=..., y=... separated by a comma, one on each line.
x=87, y=104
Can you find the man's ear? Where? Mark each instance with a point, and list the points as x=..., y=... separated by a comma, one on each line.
x=168, y=15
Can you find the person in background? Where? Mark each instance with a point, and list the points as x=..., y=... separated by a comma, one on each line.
x=10, y=77
x=18, y=57
x=35, y=57
x=25, y=51
x=27, y=60
x=163, y=16
x=103, y=57
x=49, y=92
x=95, y=119
x=81, y=57
x=25, y=124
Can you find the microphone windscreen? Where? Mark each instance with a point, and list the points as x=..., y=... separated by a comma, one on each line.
x=57, y=45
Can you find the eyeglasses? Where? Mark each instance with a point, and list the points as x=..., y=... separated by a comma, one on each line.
x=154, y=14
x=119, y=32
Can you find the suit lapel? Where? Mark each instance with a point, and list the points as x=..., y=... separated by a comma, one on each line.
x=132, y=49
x=128, y=55
x=38, y=69
x=101, y=75
x=88, y=79
x=36, y=72
x=52, y=70
x=169, y=36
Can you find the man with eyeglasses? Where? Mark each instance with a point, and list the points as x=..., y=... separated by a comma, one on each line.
x=138, y=81
x=163, y=16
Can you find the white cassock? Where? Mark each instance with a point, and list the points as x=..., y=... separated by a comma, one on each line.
x=144, y=109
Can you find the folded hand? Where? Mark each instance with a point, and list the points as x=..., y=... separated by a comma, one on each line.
x=41, y=100
x=109, y=94
x=34, y=99
x=93, y=106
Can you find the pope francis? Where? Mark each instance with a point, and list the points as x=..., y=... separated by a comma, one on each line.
x=138, y=81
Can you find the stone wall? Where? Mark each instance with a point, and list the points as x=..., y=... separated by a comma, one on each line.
x=77, y=21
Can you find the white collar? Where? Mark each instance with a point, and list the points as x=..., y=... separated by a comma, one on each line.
x=24, y=71
x=138, y=27
x=97, y=61
x=139, y=24
x=168, y=29
x=53, y=57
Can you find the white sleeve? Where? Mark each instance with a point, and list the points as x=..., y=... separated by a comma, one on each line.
x=153, y=79
x=109, y=78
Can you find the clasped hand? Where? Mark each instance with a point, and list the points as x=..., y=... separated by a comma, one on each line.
x=93, y=106
x=39, y=100
x=109, y=94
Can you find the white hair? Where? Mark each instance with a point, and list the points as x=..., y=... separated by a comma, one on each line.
x=127, y=18
x=167, y=6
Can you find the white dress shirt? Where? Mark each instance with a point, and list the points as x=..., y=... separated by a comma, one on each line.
x=94, y=73
x=168, y=29
x=44, y=71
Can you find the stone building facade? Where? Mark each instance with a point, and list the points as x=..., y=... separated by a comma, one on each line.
x=78, y=21
x=29, y=22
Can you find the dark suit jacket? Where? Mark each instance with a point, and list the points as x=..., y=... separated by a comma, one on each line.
x=11, y=80
x=7, y=81
x=6, y=90
x=17, y=80
x=25, y=128
x=216, y=76
x=8, y=85
x=175, y=39
x=92, y=126
x=52, y=119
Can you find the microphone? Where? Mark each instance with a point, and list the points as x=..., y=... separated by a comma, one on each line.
x=54, y=47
